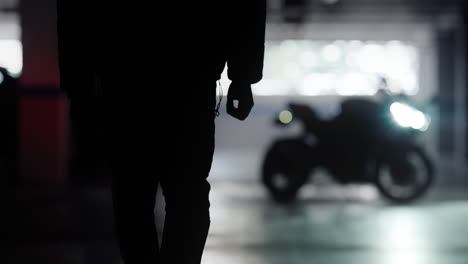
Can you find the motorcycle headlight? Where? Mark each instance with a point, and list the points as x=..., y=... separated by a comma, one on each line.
x=407, y=116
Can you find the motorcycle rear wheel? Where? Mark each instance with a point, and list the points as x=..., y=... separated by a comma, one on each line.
x=281, y=178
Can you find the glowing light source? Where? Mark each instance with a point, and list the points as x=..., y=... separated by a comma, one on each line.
x=407, y=116
x=285, y=117
x=309, y=59
x=331, y=53
x=341, y=67
x=330, y=2
x=11, y=56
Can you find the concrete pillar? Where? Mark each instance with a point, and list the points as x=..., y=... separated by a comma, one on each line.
x=42, y=109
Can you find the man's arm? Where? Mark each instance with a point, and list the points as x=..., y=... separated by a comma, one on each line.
x=246, y=48
x=247, y=40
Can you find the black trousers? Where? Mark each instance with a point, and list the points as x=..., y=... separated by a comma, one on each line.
x=150, y=144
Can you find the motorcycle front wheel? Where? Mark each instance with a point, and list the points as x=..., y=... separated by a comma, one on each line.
x=407, y=178
x=281, y=177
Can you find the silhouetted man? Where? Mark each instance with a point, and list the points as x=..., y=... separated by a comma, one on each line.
x=8, y=133
x=153, y=67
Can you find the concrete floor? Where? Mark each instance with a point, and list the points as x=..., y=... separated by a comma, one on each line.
x=335, y=225
x=329, y=224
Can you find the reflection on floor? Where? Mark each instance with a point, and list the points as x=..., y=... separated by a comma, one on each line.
x=328, y=224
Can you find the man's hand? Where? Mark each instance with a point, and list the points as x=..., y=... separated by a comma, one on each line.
x=239, y=100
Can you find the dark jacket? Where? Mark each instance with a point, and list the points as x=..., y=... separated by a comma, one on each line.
x=158, y=40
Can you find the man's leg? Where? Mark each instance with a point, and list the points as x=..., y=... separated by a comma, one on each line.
x=86, y=131
x=134, y=196
x=134, y=183
x=186, y=189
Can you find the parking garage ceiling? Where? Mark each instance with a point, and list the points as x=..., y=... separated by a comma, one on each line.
x=367, y=11
x=348, y=11
x=8, y=4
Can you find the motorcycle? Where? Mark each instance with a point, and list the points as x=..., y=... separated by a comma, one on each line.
x=367, y=142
